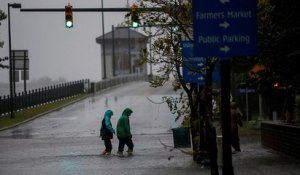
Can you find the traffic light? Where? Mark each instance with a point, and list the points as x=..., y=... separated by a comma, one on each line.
x=68, y=16
x=135, y=21
x=174, y=28
x=276, y=85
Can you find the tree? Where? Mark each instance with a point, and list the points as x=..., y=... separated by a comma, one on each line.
x=279, y=33
x=173, y=24
x=279, y=30
x=279, y=51
x=285, y=61
x=2, y=66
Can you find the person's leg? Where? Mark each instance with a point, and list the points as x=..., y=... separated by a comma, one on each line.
x=121, y=146
x=129, y=144
x=108, y=146
x=236, y=141
x=238, y=148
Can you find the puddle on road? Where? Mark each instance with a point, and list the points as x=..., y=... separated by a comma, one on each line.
x=21, y=134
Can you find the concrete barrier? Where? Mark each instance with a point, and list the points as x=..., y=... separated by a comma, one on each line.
x=282, y=137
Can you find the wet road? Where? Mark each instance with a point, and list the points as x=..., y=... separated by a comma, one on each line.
x=82, y=118
x=66, y=141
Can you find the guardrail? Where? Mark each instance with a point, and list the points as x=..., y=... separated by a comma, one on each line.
x=58, y=92
x=40, y=96
x=108, y=83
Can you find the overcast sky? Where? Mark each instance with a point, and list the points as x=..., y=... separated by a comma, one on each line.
x=54, y=50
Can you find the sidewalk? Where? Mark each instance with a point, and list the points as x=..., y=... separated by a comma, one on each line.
x=258, y=160
x=254, y=159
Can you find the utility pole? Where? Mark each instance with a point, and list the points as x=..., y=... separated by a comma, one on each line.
x=103, y=44
x=11, y=61
x=90, y=10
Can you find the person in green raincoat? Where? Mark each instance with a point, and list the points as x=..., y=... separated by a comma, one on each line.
x=123, y=133
x=106, y=132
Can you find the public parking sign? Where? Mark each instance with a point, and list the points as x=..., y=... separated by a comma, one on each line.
x=225, y=28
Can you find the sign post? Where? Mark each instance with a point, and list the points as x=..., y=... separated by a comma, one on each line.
x=225, y=28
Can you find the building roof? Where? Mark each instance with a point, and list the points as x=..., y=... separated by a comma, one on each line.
x=121, y=33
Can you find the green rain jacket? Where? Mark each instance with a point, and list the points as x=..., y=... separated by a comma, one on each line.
x=123, y=126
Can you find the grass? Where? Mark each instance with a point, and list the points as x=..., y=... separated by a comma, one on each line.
x=23, y=115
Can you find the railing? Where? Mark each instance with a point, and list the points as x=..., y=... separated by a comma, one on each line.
x=54, y=93
x=42, y=96
x=104, y=84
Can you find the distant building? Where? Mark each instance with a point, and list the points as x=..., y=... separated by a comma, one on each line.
x=121, y=53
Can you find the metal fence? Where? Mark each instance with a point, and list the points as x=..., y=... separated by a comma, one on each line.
x=54, y=93
x=42, y=96
x=104, y=84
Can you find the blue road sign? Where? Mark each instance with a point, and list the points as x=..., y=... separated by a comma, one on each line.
x=225, y=28
x=246, y=90
x=192, y=70
x=193, y=67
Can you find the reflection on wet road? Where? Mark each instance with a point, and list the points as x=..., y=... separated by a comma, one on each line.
x=83, y=118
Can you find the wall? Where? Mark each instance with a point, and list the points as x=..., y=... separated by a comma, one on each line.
x=282, y=137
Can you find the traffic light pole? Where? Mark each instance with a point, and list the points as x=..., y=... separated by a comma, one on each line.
x=11, y=99
x=11, y=61
x=95, y=10
x=89, y=9
x=103, y=45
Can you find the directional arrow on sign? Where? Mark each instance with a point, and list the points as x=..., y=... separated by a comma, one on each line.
x=201, y=78
x=225, y=24
x=225, y=49
x=224, y=1
x=201, y=64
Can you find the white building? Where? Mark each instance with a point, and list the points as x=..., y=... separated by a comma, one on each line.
x=122, y=48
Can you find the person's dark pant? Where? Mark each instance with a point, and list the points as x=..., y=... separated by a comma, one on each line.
x=125, y=141
x=108, y=145
x=235, y=141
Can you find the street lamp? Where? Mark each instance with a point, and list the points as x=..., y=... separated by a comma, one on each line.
x=11, y=70
x=103, y=44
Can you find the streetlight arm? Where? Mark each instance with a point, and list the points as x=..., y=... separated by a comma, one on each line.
x=88, y=9
x=15, y=5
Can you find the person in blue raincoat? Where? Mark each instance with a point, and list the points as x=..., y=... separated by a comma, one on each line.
x=106, y=132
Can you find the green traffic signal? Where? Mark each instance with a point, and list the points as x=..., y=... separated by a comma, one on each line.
x=175, y=28
x=68, y=16
x=135, y=21
x=69, y=24
x=135, y=24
